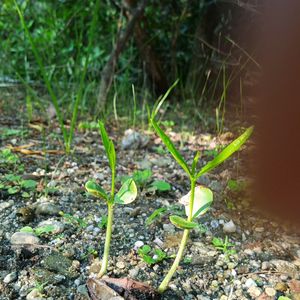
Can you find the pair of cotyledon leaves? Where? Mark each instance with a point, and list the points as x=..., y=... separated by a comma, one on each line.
x=125, y=195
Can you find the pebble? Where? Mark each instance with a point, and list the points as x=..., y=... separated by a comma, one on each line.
x=285, y=267
x=133, y=273
x=216, y=186
x=158, y=242
x=281, y=286
x=120, y=265
x=229, y=227
x=10, y=277
x=265, y=265
x=45, y=208
x=21, y=238
x=270, y=291
x=254, y=291
x=58, y=227
x=6, y=204
x=138, y=244
x=168, y=228
x=250, y=282
x=133, y=140
x=34, y=295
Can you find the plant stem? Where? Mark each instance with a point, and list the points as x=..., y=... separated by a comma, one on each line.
x=107, y=240
x=163, y=286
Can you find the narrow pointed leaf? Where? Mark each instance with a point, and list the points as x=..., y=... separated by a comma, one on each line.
x=108, y=146
x=182, y=223
x=170, y=146
x=96, y=190
x=127, y=192
x=227, y=152
x=195, y=161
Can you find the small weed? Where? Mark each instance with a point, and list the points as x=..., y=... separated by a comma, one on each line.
x=39, y=231
x=9, y=132
x=14, y=184
x=160, y=150
x=161, y=212
x=236, y=186
x=225, y=246
x=88, y=126
x=143, y=180
x=151, y=256
x=75, y=221
x=103, y=223
x=90, y=251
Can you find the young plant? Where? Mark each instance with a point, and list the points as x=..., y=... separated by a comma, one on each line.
x=198, y=200
x=225, y=246
x=125, y=195
x=151, y=256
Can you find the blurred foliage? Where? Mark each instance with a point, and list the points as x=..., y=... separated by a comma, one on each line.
x=174, y=30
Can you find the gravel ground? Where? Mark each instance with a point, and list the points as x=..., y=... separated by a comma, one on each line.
x=262, y=262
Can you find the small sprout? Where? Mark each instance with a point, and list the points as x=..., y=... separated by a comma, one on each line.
x=126, y=195
x=150, y=256
x=160, y=185
x=39, y=231
x=103, y=223
x=223, y=246
x=75, y=221
x=199, y=199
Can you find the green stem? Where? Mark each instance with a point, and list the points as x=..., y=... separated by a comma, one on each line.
x=107, y=240
x=163, y=286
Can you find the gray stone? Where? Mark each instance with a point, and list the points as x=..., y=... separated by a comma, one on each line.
x=121, y=265
x=134, y=140
x=133, y=273
x=229, y=227
x=58, y=227
x=10, y=277
x=35, y=295
x=23, y=238
x=46, y=208
x=138, y=244
x=169, y=228
x=6, y=204
x=250, y=282
x=216, y=186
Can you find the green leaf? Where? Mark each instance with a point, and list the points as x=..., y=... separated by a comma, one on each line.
x=158, y=213
x=12, y=177
x=108, y=146
x=27, y=229
x=202, y=201
x=28, y=184
x=96, y=190
x=227, y=152
x=195, y=161
x=284, y=298
x=170, y=146
x=13, y=190
x=182, y=223
x=25, y=195
x=141, y=177
x=44, y=229
x=161, y=185
x=127, y=192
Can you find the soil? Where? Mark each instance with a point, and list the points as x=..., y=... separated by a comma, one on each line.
x=264, y=263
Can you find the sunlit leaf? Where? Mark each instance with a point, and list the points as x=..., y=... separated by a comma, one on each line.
x=96, y=190
x=202, y=201
x=227, y=152
x=182, y=223
x=127, y=192
x=161, y=185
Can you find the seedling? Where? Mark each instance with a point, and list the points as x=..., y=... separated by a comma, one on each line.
x=143, y=179
x=75, y=221
x=199, y=199
x=151, y=256
x=236, y=185
x=161, y=212
x=125, y=195
x=14, y=184
x=224, y=246
x=103, y=223
x=39, y=231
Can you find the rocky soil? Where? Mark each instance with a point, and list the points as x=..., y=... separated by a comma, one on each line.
x=261, y=261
